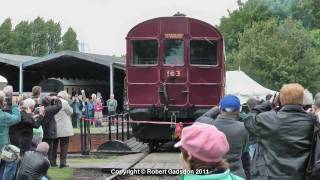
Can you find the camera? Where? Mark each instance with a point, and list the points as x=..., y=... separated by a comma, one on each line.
x=36, y=110
x=7, y=103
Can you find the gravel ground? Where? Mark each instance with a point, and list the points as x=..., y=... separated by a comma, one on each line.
x=89, y=174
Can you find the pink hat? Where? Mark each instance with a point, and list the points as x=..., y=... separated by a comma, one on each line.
x=203, y=141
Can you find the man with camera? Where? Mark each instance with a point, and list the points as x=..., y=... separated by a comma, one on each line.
x=31, y=117
x=7, y=120
x=283, y=136
x=52, y=106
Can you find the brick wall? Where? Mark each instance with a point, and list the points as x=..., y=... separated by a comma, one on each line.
x=96, y=141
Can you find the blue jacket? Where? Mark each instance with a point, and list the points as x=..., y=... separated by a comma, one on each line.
x=7, y=120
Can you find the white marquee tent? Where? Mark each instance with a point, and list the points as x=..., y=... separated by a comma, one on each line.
x=3, y=82
x=240, y=84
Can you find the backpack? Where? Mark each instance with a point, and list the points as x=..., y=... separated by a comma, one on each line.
x=313, y=164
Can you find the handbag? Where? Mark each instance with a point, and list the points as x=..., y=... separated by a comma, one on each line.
x=10, y=153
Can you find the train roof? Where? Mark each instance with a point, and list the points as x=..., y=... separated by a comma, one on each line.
x=183, y=19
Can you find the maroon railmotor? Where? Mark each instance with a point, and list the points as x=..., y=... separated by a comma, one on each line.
x=175, y=72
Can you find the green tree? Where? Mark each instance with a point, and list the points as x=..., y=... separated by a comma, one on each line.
x=276, y=53
x=315, y=36
x=231, y=27
x=252, y=11
x=39, y=36
x=22, y=38
x=308, y=11
x=54, y=36
x=6, y=43
x=69, y=40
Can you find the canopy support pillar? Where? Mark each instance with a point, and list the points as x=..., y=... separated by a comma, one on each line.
x=20, y=79
x=111, y=79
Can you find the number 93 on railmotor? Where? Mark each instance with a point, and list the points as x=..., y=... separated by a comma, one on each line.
x=174, y=73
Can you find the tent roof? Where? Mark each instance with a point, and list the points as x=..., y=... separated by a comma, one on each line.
x=15, y=60
x=3, y=80
x=241, y=85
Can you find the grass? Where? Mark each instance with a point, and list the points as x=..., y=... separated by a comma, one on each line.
x=93, y=130
x=56, y=173
x=91, y=160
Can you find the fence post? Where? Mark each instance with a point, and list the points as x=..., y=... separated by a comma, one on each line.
x=122, y=133
x=89, y=135
x=85, y=124
x=109, y=119
x=128, y=132
x=81, y=135
x=117, y=126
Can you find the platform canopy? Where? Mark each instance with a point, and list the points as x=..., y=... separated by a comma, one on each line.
x=62, y=56
x=240, y=84
x=15, y=60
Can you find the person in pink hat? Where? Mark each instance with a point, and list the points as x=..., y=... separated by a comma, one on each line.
x=202, y=149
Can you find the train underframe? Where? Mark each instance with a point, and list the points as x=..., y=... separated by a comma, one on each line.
x=158, y=126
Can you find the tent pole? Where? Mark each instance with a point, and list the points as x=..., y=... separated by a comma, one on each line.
x=20, y=79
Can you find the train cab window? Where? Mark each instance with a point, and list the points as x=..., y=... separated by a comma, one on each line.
x=173, y=52
x=145, y=52
x=203, y=52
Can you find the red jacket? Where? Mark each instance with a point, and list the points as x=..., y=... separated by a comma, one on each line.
x=98, y=107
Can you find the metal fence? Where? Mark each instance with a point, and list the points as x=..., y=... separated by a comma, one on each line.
x=117, y=128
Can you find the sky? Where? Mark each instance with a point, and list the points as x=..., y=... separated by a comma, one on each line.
x=102, y=25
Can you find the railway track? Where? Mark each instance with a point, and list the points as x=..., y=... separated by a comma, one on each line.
x=150, y=166
x=123, y=170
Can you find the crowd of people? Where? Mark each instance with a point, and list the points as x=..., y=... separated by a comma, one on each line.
x=92, y=107
x=266, y=140
x=40, y=123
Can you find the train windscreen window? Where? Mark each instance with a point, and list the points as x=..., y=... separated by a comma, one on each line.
x=203, y=52
x=173, y=52
x=145, y=52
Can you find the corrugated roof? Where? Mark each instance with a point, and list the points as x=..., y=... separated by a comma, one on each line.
x=15, y=60
x=96, y=58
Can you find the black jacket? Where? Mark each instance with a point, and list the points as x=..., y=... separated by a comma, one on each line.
x=32, y=166
x=21, y=134
x=283, y=141
x=49, y=124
